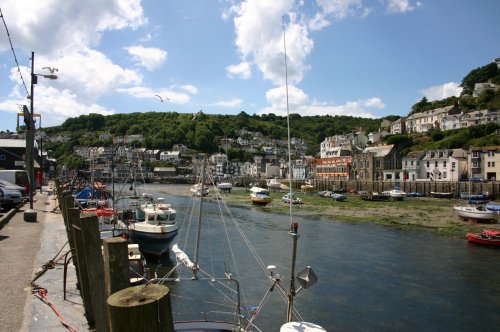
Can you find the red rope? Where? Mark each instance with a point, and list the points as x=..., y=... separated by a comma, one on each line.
x=41, y=293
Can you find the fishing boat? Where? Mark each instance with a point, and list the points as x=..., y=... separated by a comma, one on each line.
x=260, y=196
x=92, y=196
x=152, y=226
x=487, y=237
x=475, y=213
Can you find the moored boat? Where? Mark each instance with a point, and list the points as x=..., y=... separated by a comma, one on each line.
x=437, y=194
x=487, y=237
x=373, y=196
x=196, y=189
x=475, y=213
x=338, y=197
x=152, y=226
x=260, y=196
x=493, y=207
x=395, y=194
x=225, y=186
x=291, y=199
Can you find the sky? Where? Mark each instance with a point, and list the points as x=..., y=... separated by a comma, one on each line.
x=363, y=58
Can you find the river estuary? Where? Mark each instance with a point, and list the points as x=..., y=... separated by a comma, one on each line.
x=371, y=278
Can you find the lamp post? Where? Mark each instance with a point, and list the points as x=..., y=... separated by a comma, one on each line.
x=31, y=129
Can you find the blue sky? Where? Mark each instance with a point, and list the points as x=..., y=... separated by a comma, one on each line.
x=345, y=57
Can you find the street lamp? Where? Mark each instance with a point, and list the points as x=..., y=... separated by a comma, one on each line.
x=31, y=128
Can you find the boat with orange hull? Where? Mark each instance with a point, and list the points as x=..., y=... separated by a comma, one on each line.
x=487, y=237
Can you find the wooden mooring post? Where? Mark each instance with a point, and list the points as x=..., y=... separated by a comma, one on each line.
x=141, y=308
x=91, y=267
x=116, y=265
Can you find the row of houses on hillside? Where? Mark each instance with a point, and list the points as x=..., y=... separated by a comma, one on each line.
x=445, y=118
x=386, y=163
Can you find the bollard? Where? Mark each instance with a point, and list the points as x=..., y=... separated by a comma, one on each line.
x=30, y=215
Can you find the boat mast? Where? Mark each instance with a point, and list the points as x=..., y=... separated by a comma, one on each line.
x=293, y=226
x=198, y=230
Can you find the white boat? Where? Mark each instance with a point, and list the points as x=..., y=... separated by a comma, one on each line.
x=152, y=226
x=196, y=189
x=475, y=213
x=225, y=186
x=273, y=184
x=396, y=194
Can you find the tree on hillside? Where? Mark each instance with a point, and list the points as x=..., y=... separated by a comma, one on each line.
x=479, y=75
x=420, y=106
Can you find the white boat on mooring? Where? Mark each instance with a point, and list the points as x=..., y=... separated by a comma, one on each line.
x=152, y=226
x=475, y=213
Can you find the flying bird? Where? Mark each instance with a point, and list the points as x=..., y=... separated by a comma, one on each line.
x=196, y=115
x=162, y=99
x=51, y=69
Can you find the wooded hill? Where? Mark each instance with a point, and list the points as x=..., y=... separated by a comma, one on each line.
x=203, y=131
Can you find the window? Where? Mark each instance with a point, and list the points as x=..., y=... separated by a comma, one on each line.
x=411, y=163
x=444, y=164
x=436, y=164
x=428, y=164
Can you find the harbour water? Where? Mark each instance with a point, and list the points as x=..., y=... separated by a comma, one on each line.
x=371, y=278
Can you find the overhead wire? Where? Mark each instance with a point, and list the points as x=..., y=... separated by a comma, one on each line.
x=14, y=54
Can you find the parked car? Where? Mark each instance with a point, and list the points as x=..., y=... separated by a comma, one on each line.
x=11, y=198
x=12, y=186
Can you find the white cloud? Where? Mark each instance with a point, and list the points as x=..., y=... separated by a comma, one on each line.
x=189, y=88
x=242, y=70
x=259, y=38
x=64, y=35
x=65, y=26
x=148, y=57
x=439, y=92
x=340, y=9
x=400, y=6
x=299, y=103
x=147, y=93
x=232, y=103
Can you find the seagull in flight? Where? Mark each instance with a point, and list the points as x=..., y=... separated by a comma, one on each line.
x=51, y=69
x=162, y=99
x=196, y=115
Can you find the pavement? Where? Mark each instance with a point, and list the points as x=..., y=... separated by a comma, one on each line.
x=25, y=247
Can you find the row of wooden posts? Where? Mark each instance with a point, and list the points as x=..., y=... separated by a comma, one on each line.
x=102, y=268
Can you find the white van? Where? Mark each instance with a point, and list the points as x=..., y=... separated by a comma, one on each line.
x=16, y=176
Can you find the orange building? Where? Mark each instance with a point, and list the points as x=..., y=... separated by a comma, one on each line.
x=334, y=167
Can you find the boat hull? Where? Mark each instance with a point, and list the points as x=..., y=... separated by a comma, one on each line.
x=484, y=240
x=153, y=244
x=472, y=213
x=441, y=195
x=374, y=197
x=260, y=199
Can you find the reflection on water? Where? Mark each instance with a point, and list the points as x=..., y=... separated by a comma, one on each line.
x=370, y=277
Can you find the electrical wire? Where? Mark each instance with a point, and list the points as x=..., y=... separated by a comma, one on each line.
x=14, y=54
